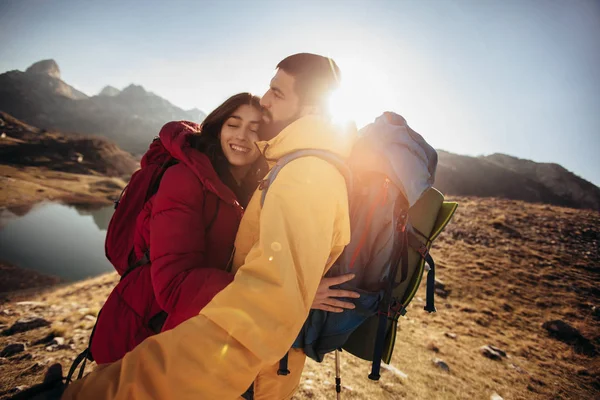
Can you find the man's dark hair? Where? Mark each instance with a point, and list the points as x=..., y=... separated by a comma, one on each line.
x=316, y=77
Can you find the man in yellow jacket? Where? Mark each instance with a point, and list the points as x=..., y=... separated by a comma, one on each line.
x=283, y=249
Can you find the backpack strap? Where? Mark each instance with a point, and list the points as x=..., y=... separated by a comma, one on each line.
x=325, y=155
x=386, y=309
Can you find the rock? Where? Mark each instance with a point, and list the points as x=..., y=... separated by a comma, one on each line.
x=394, y=370
x=440, y=289
x=24, y=357
x=561, y=330
x=59, y=341
x=30, y=303
x=45, y=340
x=439, y=284
x=35, y=368
x=583, y=372
x=90, y=318
x=450, y=335
x=566, y=333
x=490, y=353
x=3, y=361
x=496, y=396
x=12, y=349
x=26, y=324
x=441, y=364
x=433, y=347
x=596, y=312
x=498, y=350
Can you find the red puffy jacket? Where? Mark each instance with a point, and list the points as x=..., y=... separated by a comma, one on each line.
x=189, y=226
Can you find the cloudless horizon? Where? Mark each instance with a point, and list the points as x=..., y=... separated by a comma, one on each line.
x=473, y=77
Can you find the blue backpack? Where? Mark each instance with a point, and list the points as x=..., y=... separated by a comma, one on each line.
x=395, y=214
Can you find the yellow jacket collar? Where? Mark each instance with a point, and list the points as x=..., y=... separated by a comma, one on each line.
x=310, y=132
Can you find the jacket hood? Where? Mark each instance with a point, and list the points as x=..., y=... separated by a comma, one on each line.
x=175, y=137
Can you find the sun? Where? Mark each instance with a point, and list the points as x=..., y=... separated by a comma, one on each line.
x=364, y=93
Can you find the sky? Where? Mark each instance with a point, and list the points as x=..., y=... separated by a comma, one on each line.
x=474, y=77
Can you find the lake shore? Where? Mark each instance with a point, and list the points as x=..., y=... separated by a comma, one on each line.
x=23, y=187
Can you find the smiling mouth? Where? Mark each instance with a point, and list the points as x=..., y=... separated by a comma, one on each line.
x=239, y=149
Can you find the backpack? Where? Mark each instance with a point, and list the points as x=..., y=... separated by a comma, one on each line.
x=395, y=215
x=118, y=245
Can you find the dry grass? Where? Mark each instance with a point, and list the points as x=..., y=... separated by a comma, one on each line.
x=20, y=187
x=509, y=266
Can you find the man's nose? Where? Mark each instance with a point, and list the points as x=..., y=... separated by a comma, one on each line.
x=265, y=102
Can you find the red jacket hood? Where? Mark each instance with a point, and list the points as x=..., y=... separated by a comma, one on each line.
x=175, y=137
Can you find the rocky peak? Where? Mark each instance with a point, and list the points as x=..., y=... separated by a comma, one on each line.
x=46, y=67
x=109, y=91
x=134, y=91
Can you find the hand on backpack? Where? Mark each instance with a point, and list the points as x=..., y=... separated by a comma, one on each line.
x=326, y=298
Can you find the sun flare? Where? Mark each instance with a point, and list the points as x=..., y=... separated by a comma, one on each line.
x=363, y=95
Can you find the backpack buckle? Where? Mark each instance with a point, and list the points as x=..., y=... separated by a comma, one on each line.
x=263, y=184
x=402, y=222
x=397, y=308
x=394, y=310
x=423, y=251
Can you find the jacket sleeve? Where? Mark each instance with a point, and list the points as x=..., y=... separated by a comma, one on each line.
x=253, y=321
x=180, y=277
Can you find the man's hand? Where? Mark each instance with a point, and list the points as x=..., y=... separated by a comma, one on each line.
x=325, y=298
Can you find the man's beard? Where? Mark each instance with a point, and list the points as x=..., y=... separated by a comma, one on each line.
x=272, y=128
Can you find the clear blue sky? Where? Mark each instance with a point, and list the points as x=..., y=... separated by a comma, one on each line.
x=474, y=77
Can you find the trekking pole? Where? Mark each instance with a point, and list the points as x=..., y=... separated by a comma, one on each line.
x=338, y=380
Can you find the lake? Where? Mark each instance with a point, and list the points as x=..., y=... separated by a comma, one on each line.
x=56, y=239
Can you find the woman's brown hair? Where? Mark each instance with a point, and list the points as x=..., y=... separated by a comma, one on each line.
x=208, y=141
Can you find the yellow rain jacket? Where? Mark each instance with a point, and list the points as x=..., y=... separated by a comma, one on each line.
x=282, y=251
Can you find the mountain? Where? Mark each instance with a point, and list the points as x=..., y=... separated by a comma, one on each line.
x=198, y=114
x=46, y=73
x=508, y=177
x=131, y=117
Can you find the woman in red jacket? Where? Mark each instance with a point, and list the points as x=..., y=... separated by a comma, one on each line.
x=188, y=227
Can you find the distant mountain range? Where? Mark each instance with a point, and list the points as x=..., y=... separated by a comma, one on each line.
x=501, y=175
x=131, y=117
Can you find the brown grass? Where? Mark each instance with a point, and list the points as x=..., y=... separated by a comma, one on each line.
x=24, y=186
x=503, y=287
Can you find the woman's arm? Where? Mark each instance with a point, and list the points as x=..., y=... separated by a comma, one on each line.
x=180, y=276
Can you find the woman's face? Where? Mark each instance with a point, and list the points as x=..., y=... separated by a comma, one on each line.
x=238, y=135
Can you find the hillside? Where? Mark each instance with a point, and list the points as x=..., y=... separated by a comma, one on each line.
x=506, y=270
x=501, y=175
